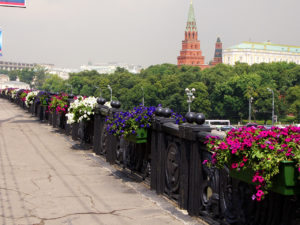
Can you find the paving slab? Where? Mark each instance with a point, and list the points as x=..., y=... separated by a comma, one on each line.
x=44, y=181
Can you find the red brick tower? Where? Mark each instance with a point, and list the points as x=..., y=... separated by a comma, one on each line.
x=218, y=53
x=190, y=53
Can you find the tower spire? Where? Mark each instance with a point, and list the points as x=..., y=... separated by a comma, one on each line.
x=218, y=53
x=191, y=22
x=191, y=53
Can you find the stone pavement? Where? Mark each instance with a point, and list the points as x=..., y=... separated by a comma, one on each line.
x=43, y=181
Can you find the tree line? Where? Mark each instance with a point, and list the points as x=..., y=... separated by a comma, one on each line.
x=222, y=92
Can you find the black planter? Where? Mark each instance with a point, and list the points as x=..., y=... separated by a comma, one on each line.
x=86, y=131
x=54, y=119
x=45, y=113
x=68, y=129
x=50, y=119
x=75, y=127
x=36, y=107
x=60, y=120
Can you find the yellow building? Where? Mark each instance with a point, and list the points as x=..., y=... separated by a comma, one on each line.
x=254, y=52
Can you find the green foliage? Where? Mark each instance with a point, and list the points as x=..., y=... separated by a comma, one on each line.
x=53, y=83
x=12, y=74
x=222, y=91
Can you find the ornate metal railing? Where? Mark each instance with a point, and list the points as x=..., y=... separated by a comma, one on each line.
x=171, y=161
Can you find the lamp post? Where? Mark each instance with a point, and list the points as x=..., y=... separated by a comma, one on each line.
x=143, y=100
x=191, y=97
x=250, y=101
x=109, y=87
x=269, y=89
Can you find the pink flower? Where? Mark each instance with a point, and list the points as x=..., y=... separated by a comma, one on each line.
x=214, y=155
x=223, y=146
x=262, y=146
x=288, y=140
x=254, y=179
x=205, y=161
x=271, y=147
x=234, y=165
x=245, y=159
x=242, y=164
x=260, y=179
x=259, y=193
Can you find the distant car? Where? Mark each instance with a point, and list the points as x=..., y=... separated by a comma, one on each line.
x=227, y=128
x=251, y=125
x=268, y=127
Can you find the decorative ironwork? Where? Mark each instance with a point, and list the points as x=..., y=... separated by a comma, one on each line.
x=103, y=140
x=209, y=188
x=172, y=170
x=85, y=131
x=119, y=151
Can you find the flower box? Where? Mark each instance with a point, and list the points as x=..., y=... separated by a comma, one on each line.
x=139, y=137
x=286, y=182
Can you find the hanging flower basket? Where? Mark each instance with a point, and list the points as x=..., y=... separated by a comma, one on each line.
x=287, y=182
x=139, y=137
x=273, y=156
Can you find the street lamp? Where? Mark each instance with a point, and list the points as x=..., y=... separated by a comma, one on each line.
x=250, y=101
x=191, y=96
x=109, y=87
x=269, y=89
x=143, y=100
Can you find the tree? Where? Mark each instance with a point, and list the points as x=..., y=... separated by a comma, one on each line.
x=39, y=76
x=13, y=75
x=293, y=100
x=54, y=84
x=27, y=76
x=201, y=102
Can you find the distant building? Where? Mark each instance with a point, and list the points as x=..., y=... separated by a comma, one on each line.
x=3, y=78
x=14, y=84
x=15, y=65
x=253, y=52
x=108, y=68
x=10, y=66
x=218, y=53
x=190, y=53
x=61, y=72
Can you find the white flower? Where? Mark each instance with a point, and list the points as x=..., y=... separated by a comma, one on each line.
x=107, y=104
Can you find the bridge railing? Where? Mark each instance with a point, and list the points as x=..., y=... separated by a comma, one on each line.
x=171, y=162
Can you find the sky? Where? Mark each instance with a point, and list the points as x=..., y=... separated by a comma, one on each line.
x=69, y=33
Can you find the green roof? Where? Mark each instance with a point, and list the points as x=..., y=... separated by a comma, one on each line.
x=191, y=23
x=267, y=46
